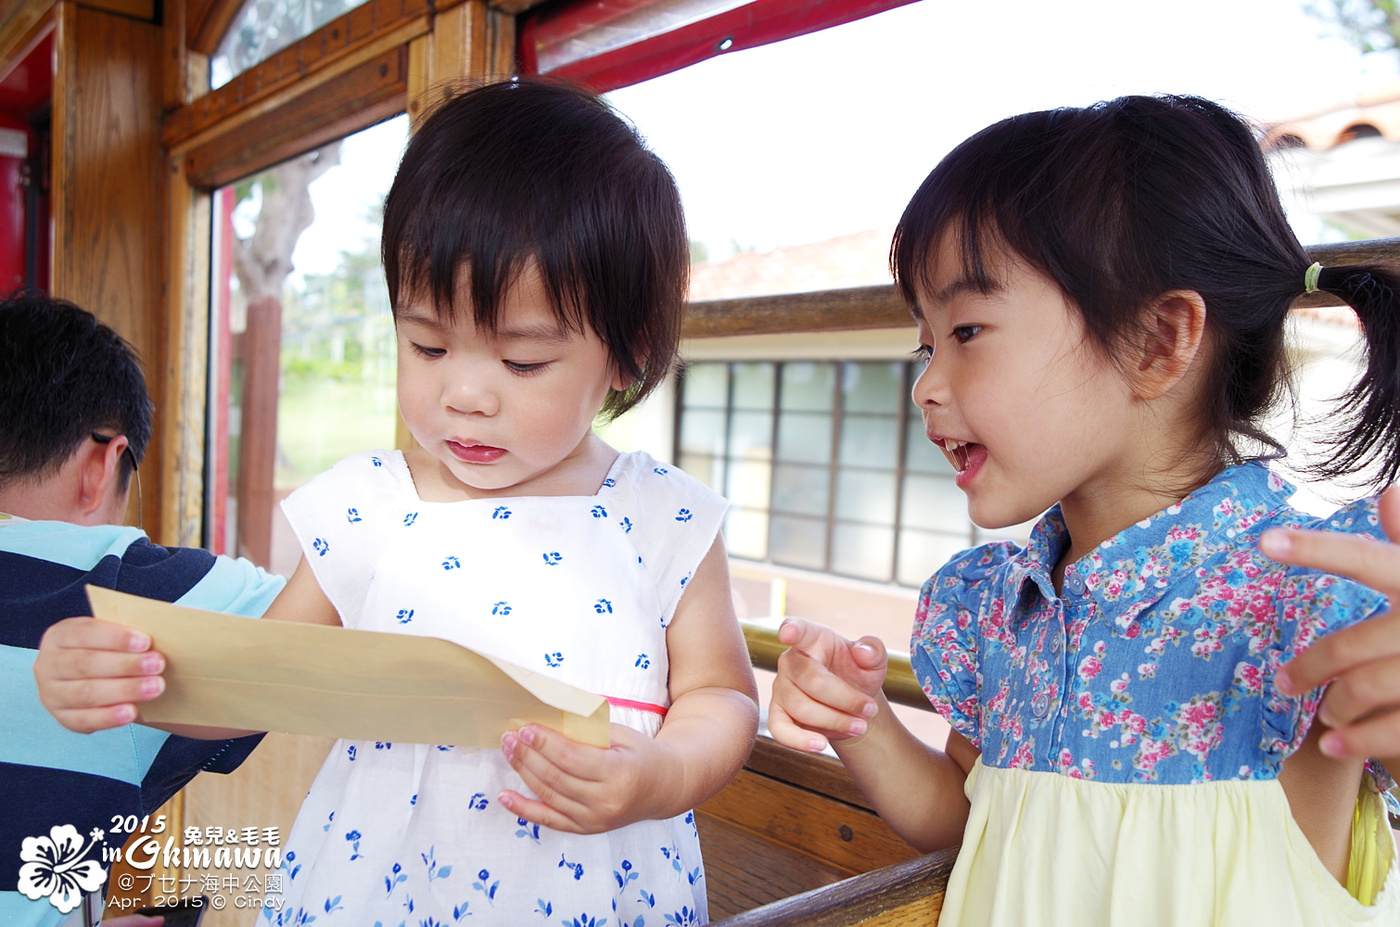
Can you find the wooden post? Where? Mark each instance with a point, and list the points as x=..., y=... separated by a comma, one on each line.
x=260, y=349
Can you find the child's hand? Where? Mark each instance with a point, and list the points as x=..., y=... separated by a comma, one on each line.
x=827, y=686
x=583, y=789
x=91, y=673
x=1362, y=704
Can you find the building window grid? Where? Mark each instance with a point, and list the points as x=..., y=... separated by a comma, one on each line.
x=726, y=469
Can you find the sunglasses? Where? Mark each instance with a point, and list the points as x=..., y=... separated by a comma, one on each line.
x=135, y=473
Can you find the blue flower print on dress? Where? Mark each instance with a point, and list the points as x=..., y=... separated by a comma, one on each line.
x=489, y=891
x=376, y=461
x=660, y=471
x=553, y=659
x=434, y=870
x=392, y=880
x=501, y=513
x=410, y=518
x=332, y=904
x=353, y=515
x=404, y=616
x=576, y=867
x=353, y=837
x=603, y=607
x=544, y=907
x=477, y=802
x=599, y=512
x=643, y=661
x=553, y=558
x=684, y=515
x=451, y=563
x=625, y=875
x=500, y=608
x=626, y=524
x=583, y=920
x=610, y=482
x=320, y=546
x=350, y=752
x=684, y=917
x=527, y=829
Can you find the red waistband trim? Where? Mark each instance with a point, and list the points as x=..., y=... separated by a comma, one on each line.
x=640, y=706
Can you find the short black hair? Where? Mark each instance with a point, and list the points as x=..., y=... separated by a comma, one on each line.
x=1123, y=201
x=533, y=170
x=63, y=376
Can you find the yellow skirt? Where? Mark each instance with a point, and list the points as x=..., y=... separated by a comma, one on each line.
x=1042, y=848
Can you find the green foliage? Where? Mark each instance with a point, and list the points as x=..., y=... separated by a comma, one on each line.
x=1369, y=25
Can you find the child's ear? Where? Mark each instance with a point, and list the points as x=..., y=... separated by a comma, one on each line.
x=1175, y=329
x=98, y=471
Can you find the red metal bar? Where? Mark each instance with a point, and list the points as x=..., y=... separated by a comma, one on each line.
x=756, y=23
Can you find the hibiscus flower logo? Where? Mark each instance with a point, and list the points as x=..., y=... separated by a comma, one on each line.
x=54, y=866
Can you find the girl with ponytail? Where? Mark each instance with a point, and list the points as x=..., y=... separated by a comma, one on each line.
x=1100, y=296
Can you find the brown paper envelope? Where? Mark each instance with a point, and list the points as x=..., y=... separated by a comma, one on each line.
x=227, y=671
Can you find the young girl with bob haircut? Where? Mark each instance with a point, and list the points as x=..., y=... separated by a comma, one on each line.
x=1101, y=296
x=537, y=261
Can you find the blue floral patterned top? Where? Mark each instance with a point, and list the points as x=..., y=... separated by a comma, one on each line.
x=1157, y=664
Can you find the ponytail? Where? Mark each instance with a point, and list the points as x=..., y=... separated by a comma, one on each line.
x=1371, y=408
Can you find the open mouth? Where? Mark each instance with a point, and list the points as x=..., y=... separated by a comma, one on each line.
x=957, y=453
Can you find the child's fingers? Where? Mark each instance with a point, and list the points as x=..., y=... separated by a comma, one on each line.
x=789, y=733
x=793, y=703
x=538, y=812
x=807, y=637
x=1334, y=655
x=1373, y=686
x=1375, y=736
x=555, y=757
x=94, y=634
x=820, y=684
x=1376, y=564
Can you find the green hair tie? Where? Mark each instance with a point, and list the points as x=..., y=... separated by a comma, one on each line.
x=1310, y=277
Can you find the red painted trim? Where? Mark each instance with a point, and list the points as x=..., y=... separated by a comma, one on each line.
x=640, y=706
x=759, y=22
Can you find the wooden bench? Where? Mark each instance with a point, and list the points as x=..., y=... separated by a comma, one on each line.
x=792, y=841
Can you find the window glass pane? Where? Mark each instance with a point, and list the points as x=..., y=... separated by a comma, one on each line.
x=746, y=533
x=935, y=503
x=923, y=552
x=862, y=495
x=873, y=386
x=265, y=27
x=804, y=437
x=708, y=470
x=753, y=386
x=920, y=454
x=707, y=384
x=801, y=490
x=863, y=551
x=807, y=386
x=302, y=362
x=751, y=435
x=749, y=483
x=702, y=431
x=869, y=441
x=799, y=542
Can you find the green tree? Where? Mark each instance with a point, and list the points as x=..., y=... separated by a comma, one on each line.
x=1370, y=25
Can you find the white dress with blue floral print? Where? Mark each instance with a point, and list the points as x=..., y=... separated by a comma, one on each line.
x=1130, y=729
x=580, y=588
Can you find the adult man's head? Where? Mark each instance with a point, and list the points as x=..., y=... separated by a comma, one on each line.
x=75, y=416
